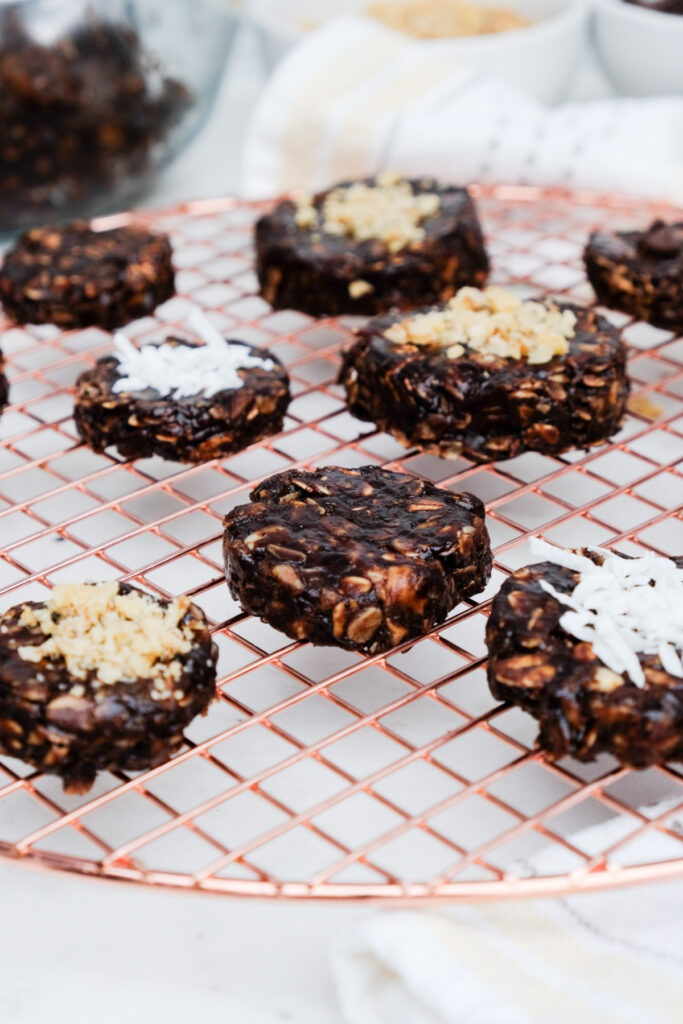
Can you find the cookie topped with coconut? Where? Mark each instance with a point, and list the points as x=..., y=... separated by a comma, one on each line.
x=184, y=401
x=591, y=643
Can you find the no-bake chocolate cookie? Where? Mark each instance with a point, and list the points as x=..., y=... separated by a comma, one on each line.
x=489, y=377
x=661, y=6
x=368, y=246
x=182, y=401
x=599, y=667
x=640, y=272
x=73, y=276
x=4, y=386
x=101, y=677
x=358, y=558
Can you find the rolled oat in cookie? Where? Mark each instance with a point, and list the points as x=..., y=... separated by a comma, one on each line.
x=182, y=401
x=591, y=643
x=358, y=558
x=101, y=677
x=489, y=376
x=370, y=245
x=73, y=276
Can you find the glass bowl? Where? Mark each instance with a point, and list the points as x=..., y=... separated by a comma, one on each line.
x=97, y=95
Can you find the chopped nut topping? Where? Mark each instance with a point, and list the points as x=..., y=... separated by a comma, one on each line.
x=119, y=637
x=439, y=19
x=359, y=288
x=306, y=215
x=641, y=405
x=387, y=210
x=492, y=321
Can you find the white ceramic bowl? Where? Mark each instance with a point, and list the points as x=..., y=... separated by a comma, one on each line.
x=642, y=50
x=539, y=59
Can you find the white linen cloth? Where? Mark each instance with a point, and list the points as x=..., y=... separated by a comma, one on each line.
x=614, y=957
x=355, y=97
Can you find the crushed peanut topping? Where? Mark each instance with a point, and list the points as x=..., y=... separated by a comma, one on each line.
x=439, y=19
x=493, y=322
x=119, y=637
x=641, y=405
x=387, y=210
x=359, y=288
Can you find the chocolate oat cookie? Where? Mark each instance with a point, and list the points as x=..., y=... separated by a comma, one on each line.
x=595, y=683
x=358, y=558
x=4, y=386
x=101, y=677
x=640, y=272
x=73, y=276
x=369, y=246
x=661, y=6
x=184, y=402
x=489, y=377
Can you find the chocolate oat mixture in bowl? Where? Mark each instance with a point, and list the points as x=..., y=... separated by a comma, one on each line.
x=96, y=95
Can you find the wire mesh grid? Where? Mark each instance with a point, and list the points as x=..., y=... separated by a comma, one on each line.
x=317, y=772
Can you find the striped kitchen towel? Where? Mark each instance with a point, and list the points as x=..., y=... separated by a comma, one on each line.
x=354, y=97
x=614, y=957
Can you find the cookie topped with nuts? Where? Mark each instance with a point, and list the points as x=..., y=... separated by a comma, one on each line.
x=489, y=376
x=101, y=676
x=358, y=558
x=73, y=276
x=591, y=643
x=370, y=245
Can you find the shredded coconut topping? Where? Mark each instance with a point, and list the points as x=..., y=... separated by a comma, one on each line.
x=387, y=210
x=622, y=607
x=185, y=370
x=493, y=322
x=119, y=637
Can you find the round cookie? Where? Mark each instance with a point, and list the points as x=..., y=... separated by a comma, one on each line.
x=640, y=272
x=660, y=6
x=190, y=426
x=584, y=707
x=369, y=246
x=4, y=386
x=450, y=399
x=101, y=677
x=73, y=276
x=358, y=558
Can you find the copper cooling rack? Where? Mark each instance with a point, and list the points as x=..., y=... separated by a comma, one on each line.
x=319, y=773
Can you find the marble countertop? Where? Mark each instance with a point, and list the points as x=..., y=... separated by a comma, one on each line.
x=74, y=950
